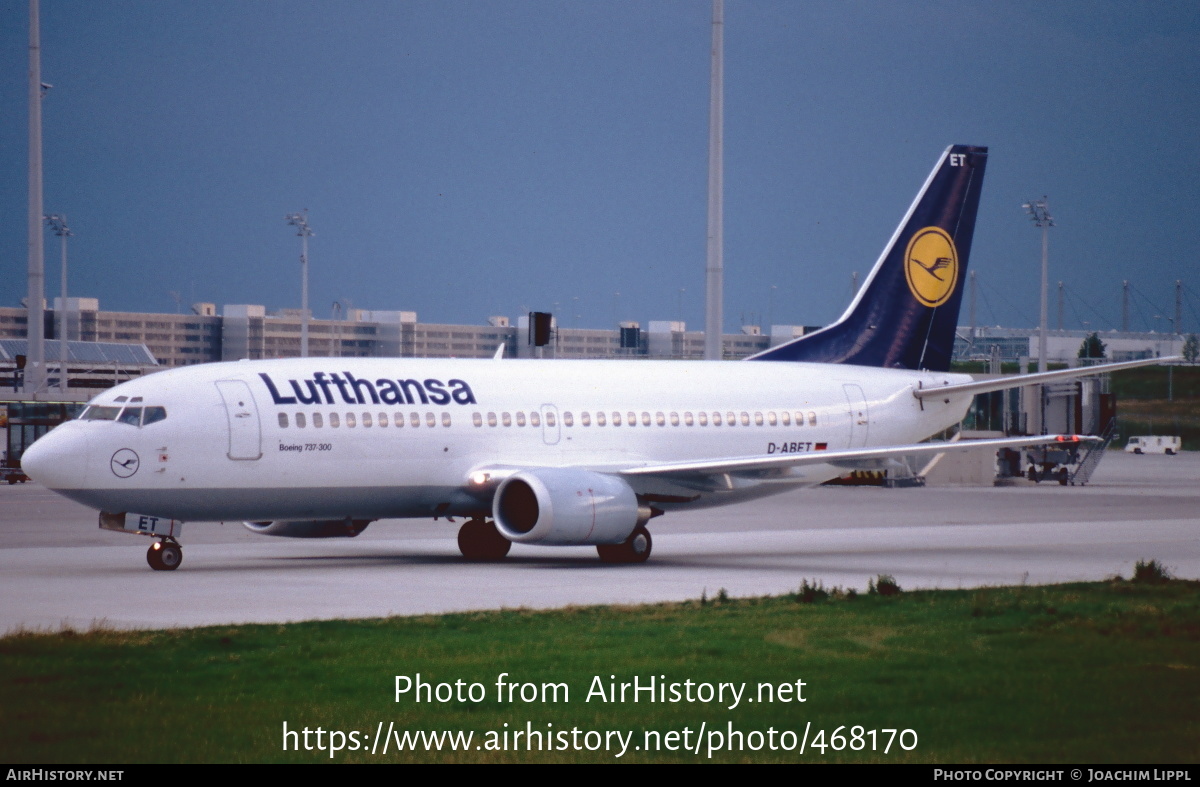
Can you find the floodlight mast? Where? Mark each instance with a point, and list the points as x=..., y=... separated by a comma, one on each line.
x=1039, y=213
x=35, y=370
x=715, y=268
x=58, y=225
x=300, y=222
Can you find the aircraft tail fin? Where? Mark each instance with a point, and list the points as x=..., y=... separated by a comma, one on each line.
x=906, y=312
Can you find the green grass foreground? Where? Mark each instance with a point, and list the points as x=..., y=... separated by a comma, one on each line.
x=1101, y=672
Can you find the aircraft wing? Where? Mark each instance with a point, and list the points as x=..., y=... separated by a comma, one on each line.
x=852, y=458
x=1020, y=381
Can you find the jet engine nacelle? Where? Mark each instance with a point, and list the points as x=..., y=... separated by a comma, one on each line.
x=310, y=528
x=562, y=506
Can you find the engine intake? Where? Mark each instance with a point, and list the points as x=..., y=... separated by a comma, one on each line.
x=310, y=528
x=563, y=506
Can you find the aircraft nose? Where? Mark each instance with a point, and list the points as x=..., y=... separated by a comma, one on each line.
x=57, y=460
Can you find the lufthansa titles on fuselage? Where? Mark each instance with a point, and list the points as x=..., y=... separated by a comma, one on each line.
x=319, y=389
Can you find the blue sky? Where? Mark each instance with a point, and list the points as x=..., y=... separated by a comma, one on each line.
x=463, y=159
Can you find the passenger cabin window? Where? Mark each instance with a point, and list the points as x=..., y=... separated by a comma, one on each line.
x=383, y=420
x=506, y=419
x=771, y=418
x=585, y=418
x=414, y=419
x=521, y=419
x=366, y=420
x=333, y=421
x=477, y=419
x=687, y=418
x=745, y=419
x=787, y=419
x=600, y=419
x=318, y=420
x=350, y=420
x=491, y=419
x=430, y=420
x=703, y=418
x=812, y=419
x=299, y=418
x=131, y=416
x=568, y=419
x=550, y=419
x=445, y=419
x=398, y=420
x=535, y=419
x=283, y=421
x=674, y=419
x=716, y=419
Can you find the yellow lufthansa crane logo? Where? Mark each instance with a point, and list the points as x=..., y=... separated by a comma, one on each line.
x=931, y=266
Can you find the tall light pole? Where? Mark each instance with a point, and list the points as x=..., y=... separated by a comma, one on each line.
x=35, y=370
x=1039, y=212
x=58, y=225
x=715, y=269
x=300, y=222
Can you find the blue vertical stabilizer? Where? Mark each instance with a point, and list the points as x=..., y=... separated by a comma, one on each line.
x=905, y=315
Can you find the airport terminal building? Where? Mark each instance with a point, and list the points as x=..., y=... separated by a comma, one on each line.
x=250, y=331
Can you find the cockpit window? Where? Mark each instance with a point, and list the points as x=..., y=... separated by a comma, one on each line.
x=131, y=416
x=98, y=413
x=153, y=415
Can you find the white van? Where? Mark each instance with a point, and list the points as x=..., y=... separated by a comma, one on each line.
x=1153, y=444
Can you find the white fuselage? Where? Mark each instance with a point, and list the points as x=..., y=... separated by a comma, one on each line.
x=231, y=448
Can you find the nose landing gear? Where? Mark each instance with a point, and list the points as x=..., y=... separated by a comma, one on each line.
x=165, y=555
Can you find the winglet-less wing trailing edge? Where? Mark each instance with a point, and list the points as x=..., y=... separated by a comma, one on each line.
x=853, y=458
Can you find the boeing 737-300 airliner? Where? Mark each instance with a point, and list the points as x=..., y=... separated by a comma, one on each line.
x=555, y=452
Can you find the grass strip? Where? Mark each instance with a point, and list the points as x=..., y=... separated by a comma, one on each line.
x=1098, y=672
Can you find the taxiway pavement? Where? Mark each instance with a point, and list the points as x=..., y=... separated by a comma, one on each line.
x=58, y=569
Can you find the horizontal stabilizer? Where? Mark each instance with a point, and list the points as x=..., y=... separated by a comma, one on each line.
x=1020, y=381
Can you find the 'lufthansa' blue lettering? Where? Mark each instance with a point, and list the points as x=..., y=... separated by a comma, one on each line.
x=275, y=391
x=356, y=390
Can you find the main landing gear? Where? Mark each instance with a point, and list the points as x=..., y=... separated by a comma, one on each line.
x=478, y=539
x=635, y=549
x=165, y=555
